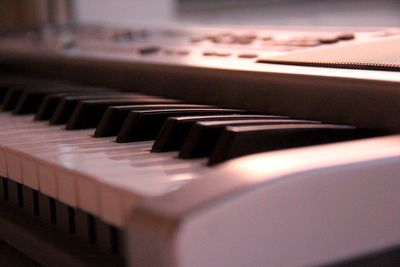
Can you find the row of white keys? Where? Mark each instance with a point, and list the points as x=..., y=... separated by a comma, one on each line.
x=84, y=171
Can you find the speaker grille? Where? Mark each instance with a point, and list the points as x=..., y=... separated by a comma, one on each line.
x=376, y=55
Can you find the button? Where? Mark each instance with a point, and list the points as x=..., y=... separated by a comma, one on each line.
x=266, y=38
x=217, y=53
x=305, y=43
x=208, y=53
x=243, y=40
x=183, y=52
x=148, y=50
x=168, y=51
x=222, y=54
x=197, y=39
x=247, y=56
x=346, y=36
x=123, y=35
x=328, y=39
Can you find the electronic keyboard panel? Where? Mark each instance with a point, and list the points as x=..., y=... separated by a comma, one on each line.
x=194, y=147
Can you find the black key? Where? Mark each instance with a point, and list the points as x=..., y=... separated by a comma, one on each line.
x=145, y=125
x=203, y=136
x=87, y=114
x=30, y=100
x=67, y=105
x=4, y=88
x=49, y=104
x=11, y=98
x=239, y=141
x=115, y=116
x=174, y=130
x=26, y=93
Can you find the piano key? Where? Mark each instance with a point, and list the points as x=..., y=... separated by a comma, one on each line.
x=29, y=92
x=13, y=167
x=50, y=102
x=14, y=198
x=238, y=141
x=63, y=217
x=203, y=136
x=4, y=88
x=49, y=105
x=107, y=238
x=86, y=193
x=31, y=99
x=29, y=201
x=117, y=244
x=103, y=236
x=114, y=117
x=11, y=98
x=82, y=226
x=44, y=208
x=89, y=206
x=175, y=129
x=145, y=125
x=66, y=107
x=88, y=113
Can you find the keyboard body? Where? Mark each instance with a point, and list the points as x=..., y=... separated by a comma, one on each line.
x=303, y=206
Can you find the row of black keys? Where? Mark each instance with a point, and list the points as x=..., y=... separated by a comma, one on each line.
x=193, y=130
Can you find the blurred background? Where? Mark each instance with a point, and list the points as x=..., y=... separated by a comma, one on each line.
x=20, y=13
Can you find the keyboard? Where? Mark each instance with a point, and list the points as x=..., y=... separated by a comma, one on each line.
x=200, y=146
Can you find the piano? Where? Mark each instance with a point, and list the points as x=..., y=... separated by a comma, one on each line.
x=194, y=146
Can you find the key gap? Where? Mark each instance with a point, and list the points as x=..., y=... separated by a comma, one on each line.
x=71, y=218
x=20, y=196
x=35, y=196
x=53, y=210
x=91, y=228
x=114, y=240
x=5, y=189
